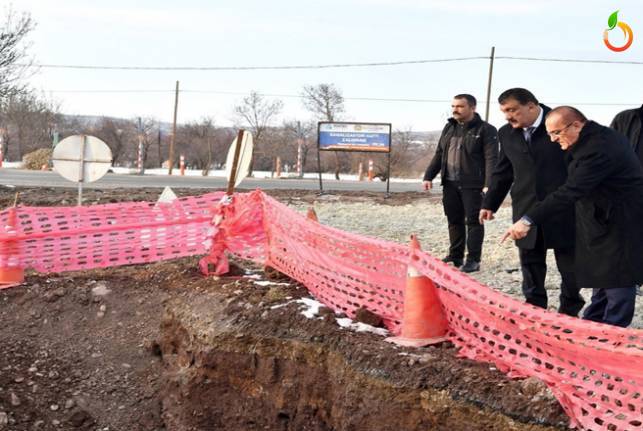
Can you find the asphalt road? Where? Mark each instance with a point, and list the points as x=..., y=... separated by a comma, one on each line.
x=19, y=177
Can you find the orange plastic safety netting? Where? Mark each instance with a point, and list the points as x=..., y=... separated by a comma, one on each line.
x=55, y=239
x=596, y=371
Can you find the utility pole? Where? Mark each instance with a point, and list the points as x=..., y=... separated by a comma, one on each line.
x=300, y=167
x=173, y=140
x=159, y=146
x=493, y=55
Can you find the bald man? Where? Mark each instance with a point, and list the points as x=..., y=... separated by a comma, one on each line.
x=605, y=183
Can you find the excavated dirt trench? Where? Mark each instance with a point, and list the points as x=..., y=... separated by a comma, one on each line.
x=236, y=360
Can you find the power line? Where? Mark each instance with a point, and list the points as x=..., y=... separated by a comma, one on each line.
x=223, y=68
x=297, y=96
x=568, y=60
x=325, y=66
x=232, y=93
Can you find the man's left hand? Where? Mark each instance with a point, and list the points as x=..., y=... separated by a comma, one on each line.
x=518, y=230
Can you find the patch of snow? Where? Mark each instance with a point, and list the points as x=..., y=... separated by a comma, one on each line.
x=313, y=307
x=274, y=307
x=264, y=283
x=360, y=327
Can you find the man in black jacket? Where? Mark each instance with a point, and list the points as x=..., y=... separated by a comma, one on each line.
x=532, y=167
x=629, y=122
x=465, y=157
x=605, y=184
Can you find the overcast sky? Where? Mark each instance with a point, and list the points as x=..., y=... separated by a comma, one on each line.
x=200, y=33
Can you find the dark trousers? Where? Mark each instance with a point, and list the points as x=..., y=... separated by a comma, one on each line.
x=462, y=208
x=612, y=306
x=534, y=269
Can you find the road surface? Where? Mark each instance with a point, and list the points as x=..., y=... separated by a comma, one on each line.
x=19, y=177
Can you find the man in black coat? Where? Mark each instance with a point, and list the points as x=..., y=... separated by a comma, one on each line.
x=629, y=123
x=605, y=183
x=532, y=167
x=465, y=157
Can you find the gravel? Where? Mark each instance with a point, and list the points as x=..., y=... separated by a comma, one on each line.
x=499, y=267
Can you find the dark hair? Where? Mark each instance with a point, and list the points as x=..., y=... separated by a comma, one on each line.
x=569, y=113
x=470, y=99
x=521, y=95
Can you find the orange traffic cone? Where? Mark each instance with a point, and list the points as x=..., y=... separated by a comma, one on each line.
x=423, y=321
x=11, y=273
x=312, y=215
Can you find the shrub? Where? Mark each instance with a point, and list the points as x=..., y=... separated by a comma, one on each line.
x=36, y=159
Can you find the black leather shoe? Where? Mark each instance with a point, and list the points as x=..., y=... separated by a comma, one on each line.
x=455, y=261
x=470, y=266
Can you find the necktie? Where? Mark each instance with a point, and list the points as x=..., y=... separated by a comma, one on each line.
x=528, y=132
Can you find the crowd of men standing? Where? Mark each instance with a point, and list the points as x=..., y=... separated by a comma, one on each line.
x=576, y=187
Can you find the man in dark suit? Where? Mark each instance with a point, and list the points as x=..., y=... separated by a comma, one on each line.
x=605, y=184
x=629, y=123
x=466, y=154
x=532, y=167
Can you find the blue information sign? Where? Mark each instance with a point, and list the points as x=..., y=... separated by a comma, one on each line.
x=354, y=137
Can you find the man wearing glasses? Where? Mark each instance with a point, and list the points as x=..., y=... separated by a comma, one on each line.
x=532, y=167
x=605, y=184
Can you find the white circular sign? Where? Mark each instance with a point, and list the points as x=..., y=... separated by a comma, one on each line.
x=82, y=158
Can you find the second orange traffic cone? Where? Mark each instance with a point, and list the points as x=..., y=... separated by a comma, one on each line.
x=11, y=271
x=311, y=214
x=423, y=321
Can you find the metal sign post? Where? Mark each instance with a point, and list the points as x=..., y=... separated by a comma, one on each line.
x=81, y=168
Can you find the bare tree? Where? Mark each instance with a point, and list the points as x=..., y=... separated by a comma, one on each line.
x=301, y=133
x=197, y=139
x=28, y=119
x=403, y=155
x=326, y=103
x=146, y=130
x=257, y=113
x=14, y=61
x=119, y=135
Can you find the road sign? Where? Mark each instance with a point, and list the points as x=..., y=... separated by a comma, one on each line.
x=245, y=157
x=82, y=159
